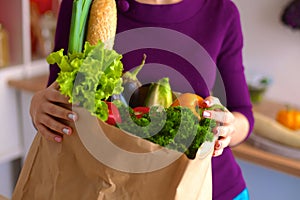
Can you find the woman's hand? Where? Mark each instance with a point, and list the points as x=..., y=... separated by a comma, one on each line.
x=226, y=125
x=49, y=110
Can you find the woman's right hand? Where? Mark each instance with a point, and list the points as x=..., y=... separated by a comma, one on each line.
x=49, y=109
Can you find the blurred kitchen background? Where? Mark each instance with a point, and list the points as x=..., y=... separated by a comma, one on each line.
x=271, y=59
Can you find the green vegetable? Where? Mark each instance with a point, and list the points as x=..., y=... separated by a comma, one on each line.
x=176, y=128
x=159, y=93
x=89, y=77
x=80, y=13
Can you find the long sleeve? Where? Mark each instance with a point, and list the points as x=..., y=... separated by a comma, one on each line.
x=231, y=69
x=61, y=35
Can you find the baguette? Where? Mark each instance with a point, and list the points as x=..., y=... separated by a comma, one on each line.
x=102, y=23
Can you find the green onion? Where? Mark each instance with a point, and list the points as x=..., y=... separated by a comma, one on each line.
x=80, y=13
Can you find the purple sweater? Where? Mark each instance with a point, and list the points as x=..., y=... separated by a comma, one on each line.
x=198, y=44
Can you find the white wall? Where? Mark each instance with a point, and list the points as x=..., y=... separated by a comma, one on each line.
x=6, y=181
x=9, y=173
x=271, y=48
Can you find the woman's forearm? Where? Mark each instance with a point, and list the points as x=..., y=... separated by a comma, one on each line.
x=241, y=125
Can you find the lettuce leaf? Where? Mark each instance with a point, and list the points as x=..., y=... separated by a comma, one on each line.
x=90, y=77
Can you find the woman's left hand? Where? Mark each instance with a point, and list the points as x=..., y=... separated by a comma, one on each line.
x=225, y=125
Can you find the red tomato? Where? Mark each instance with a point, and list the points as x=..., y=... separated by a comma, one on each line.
x=140, y=111
x=113, y=114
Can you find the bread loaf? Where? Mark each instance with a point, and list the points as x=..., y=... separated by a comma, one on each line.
x=102, y=23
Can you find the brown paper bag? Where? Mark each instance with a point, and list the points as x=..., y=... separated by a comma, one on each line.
x=101, y=162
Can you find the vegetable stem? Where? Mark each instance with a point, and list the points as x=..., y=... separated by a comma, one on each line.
x=80, y=13
x=138, y=69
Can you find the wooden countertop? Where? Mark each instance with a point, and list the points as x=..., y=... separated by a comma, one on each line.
x=244, y=151
x=266, y=159
x=248, y=152
x=3, y=198
x=33, y=84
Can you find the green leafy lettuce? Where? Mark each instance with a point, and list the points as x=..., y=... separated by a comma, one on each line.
x=89, y=77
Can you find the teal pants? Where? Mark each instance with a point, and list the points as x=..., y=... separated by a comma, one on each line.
x=244, y=195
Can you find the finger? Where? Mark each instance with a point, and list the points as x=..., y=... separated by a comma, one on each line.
x=224, y=131
x=55, y=126
x=220, y=145
x=223, y=142
x=54, y=85
x=218, y=148
x=218, y=152
x=55, y=96
x=219, y=116
x=59, y=112
x=211, y=100
x=48, y=134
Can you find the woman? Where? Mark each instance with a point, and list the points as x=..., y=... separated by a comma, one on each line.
x=213, y=24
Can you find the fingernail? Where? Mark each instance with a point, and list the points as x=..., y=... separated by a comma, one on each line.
x=206, y=114
x=206, y=103
x=66, y=131
x=72, y=116
x=218, y=145
x=58, y=139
